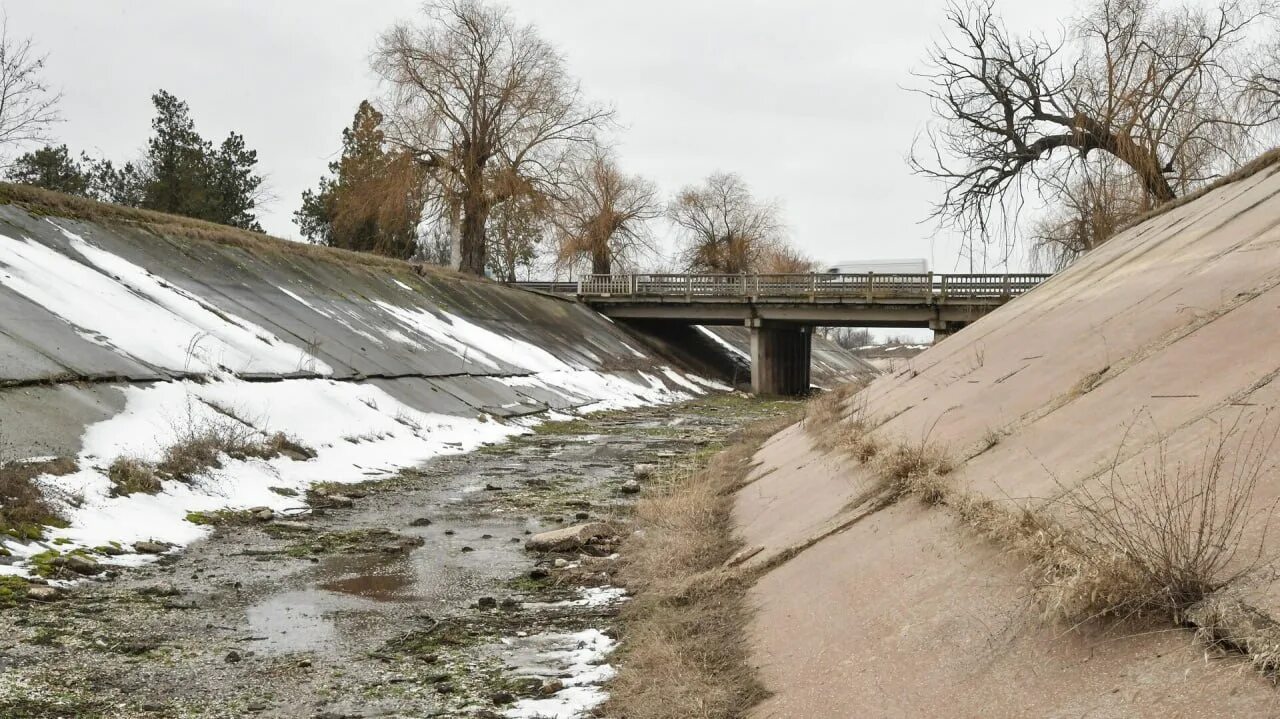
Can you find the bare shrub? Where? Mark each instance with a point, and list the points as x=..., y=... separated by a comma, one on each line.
x=1166, y=538
x=682, y=656
x=130, y=475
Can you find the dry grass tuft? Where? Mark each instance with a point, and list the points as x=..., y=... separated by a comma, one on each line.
x=24, y=509
x=682, y=656
x=129, y=475
x=825, y=412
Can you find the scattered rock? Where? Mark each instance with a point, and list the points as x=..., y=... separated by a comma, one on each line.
x=160, y=590
x=551, y=686
x=644, y=471
x=561, y=563
x=284, y=491
x=43, y=593
x=582, y=515
x=569, y=538
x=232, y=657
x=501, y=698
x=79, y=564
x=420, y=522
x=263, y=514
x=151, y=547
x=468, y=549
x=630, y=486
x=510, y=604
x=487, y=603
x=538, y=573
x=492, y=487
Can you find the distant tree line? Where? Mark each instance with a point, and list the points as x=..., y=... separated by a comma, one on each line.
x=483, y=152
x=180, y=172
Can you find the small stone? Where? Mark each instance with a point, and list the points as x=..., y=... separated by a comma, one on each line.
x=510, y=604
x=468, y=549
x=538, y=573
x=232, y=657
x=151, y=547
x=80, y=565
x=448, y=532
x=569, y=538
x=487, y=603
x=582, y=515
x=644, y=471
x=486, y=536
x=551, y=686
x=339, y=501
x=264, y=515
x=257, y=707
x=420, y=522
x=561, y=563
x=304, y=663
x=501, y=698
x=630, y=487
x=492, y=488
x=39, y=593
x=444, y=688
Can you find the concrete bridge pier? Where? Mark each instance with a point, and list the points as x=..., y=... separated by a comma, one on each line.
x=780, y=358
x=943, y=329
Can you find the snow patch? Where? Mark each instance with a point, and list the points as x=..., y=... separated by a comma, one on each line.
x=117, y=304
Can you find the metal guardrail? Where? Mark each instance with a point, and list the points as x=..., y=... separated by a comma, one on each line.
x=869, y=286
x=554, y=287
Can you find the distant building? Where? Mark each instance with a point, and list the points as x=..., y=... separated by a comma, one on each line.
x=910, y=266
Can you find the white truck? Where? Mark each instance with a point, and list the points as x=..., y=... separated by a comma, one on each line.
x=909, y=266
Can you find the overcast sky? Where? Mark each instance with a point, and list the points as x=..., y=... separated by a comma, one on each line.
x=804, y=99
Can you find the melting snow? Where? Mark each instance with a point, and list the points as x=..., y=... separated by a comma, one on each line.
x=577, y=660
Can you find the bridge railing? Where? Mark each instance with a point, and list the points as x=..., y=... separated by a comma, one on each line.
x=864, y=285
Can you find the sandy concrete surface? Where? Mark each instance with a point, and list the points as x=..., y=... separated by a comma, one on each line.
x=1151, y=348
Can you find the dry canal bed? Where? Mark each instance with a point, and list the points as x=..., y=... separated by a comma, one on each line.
x=417, y=598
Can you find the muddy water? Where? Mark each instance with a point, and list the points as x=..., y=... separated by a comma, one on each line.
x=416, y=601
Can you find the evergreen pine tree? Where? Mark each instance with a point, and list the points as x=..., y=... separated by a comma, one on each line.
x=54, y=168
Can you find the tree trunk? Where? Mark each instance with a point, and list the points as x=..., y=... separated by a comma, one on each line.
x=601, y=261
x=474, y=241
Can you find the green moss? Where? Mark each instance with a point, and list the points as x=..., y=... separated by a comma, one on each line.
x=221, y=517
x=13, y=590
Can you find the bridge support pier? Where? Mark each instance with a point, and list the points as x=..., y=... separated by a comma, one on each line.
x=780, y=359
x=943, y=329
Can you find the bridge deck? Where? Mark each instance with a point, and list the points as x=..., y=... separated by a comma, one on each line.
x=929, y=288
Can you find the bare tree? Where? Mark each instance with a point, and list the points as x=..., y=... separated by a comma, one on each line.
x=784, y=258
x=517, y=227
x=723, y=228
x=603, y=213
x=1098, y=201
x=1156, y=90
x=477, y=97
x=28, y=106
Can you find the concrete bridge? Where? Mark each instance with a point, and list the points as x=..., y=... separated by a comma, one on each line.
x=781, y=310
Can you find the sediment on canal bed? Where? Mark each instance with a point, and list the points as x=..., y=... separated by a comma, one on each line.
x=415, y=594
